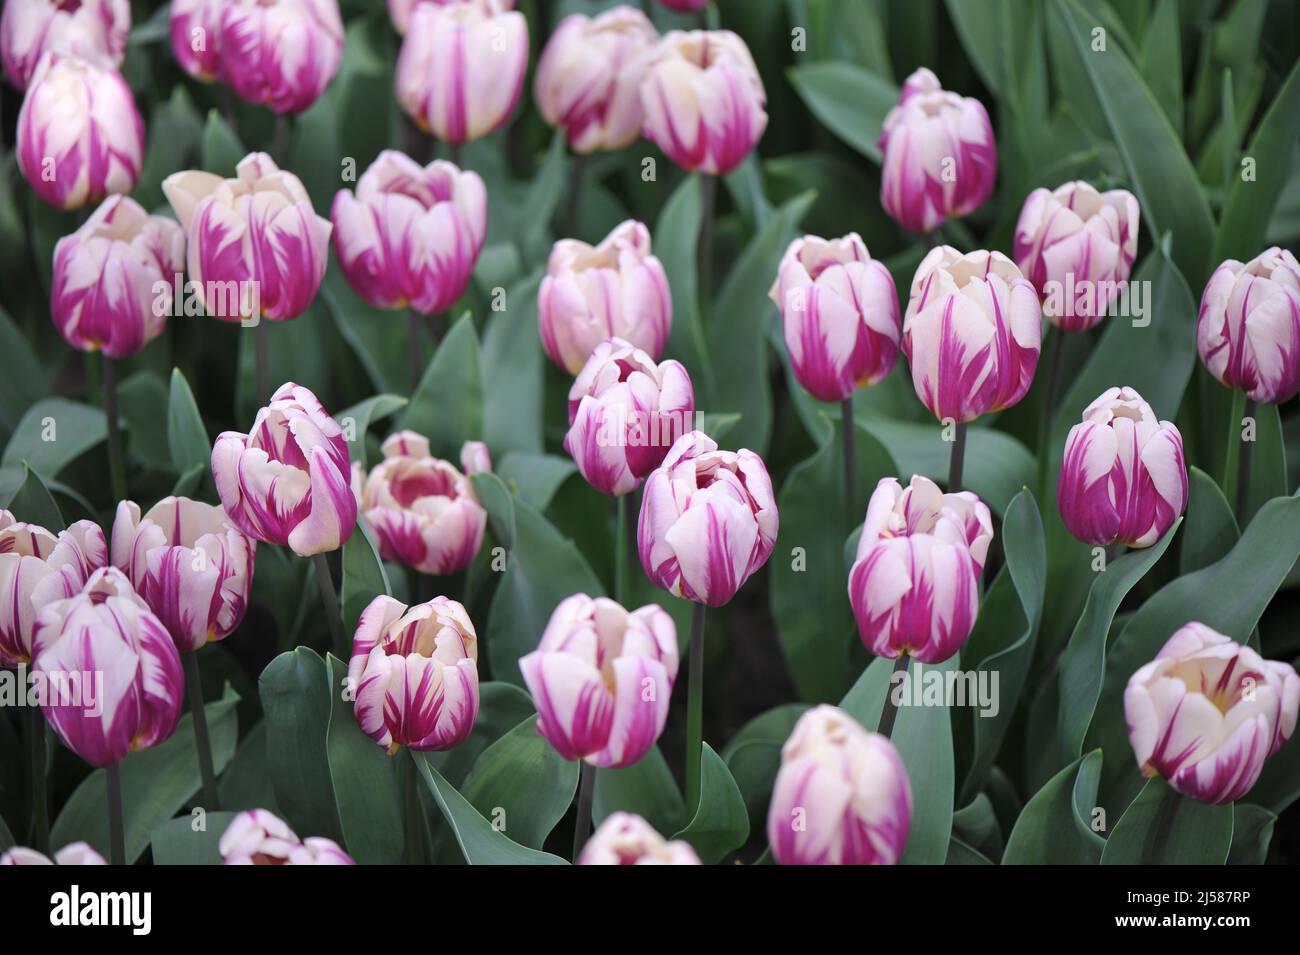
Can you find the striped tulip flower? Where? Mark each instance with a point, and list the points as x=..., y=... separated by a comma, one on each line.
x=410, y=236
x=259, y=837
x=624, y=838
x=704, y=101
x=94, y=30
x=414, y=671
x=601, y=679
x=106, y=274
x=914, y=585
x=288, y=481
x=399, y=11
x=38, y=568
x=474, y=458
x=625, y=412
x=462, y=67
x=1248, y=328
x=191, y=565
x=1123, y=477
x=76, y=853
x=839, y=308
x=280, y=53
x=708, y=520
x=80, y=136
x=256, y=248
x=841, y=797
x=1077, y=245
x=195, y=31
x=588, y=80
x=109, y=637
x=939, y=156
x=423, y=511
x=972, y=333
x=1207, y=712
x=616, y=289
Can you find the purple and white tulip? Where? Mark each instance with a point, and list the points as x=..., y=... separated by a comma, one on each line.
x=399, y=11
x=624, y=838
x=195, y=31
x=1207, y=712
x=1248, y=327
x=259, y=837
x=411, y=234
x=708, y=520
x=280, y=53
x=914, y=585
x=616, y=289
x=685, y=6
x=625, y=412
x=475, y=458
x=972, y=333
x=288, y=481
x=841, y=797
x=1123, y=477
x=94, y=30
x=939, y=155
x=601, y=679
x=839, y=308
x=75, y=853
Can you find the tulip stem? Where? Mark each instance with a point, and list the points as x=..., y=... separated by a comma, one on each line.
x=116, y=842
x=409, y=772
x=850, y=458
x=454, y=150
x=194, y=687
x=621, y=586
x=958, y=458
x=116, y=469
x=261, y=360
x=281, y=140
x=416, y=347
x=704, y=251
x=586, y=792
x=40, y=802
x=1243, y=465
x=574, y=204
x=695, y=712
x=330, y=601
x=890, y=713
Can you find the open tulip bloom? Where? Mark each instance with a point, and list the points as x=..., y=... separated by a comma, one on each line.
x=626, y=839
x=259, y=837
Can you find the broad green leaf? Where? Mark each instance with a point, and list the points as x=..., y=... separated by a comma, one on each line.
x=848, y=100
x=976, y=825
x=1252, y=831
x=376, y=336
x=31, y=502
x=175, y=128
x=356, y=421
x=959, y=853
x=646, y=788
x=186, y=436
x=1210, y=530
x=754, y=756
x=501, y=707
x=513, y=363
x=1162, y=827
x=447, y=406
x=246, y=783
x=139, y=396
x=220, y=150
x=22, y=382
x=721, y=824
x=1161, y=62
x=1055, y=826
x=535, y=477
x=176, y=842
x=364, y=579
x=53, y=433
x=676, y=237
x=496, y=499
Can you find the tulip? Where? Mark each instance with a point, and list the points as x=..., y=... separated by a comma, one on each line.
x=423, y=511
x=256, y=247
x=625, y=838
x=601, y=679
x=1123, y=477
x=75, y=853
x=400, y=10
x=281, y=53
x=1077, y=246
x=474, y=458
x=1207, y=712
x=195, y=31
x=708, y=520
x=462, y=67
x=1248, y=327
x=107, y=275
x=107, y=630
x=840, y=312
x=841, y=797
x=704, y=100
x=685, y=6
x=589, y=77
x=411, y=235
x=972, y=333
x=80, y=136
x=625, y=412
x=259, y=837
x=615, y=290
x=914, y=585
x=36, y=569
x=94, y=30
x=939, y=157
x=415, y=674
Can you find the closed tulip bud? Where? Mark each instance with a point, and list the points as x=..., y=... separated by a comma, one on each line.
x=1077, y=245
x=972, y=333
x=839, y=308
x=588, y=80
x=1123, y=477
x=256, y=248
x=939, y=156
x=708, y=520
x=601, y=679
x=104, y=296
x=400, y=10
x=1248, y=328
x=94, y=30
x=914, y=585
x=474, y=458
x=423, y=511
x=80, y=136
x=415, y=674
x=704, y=101
x=288, y=481
x=625, y=838
x=625, y=412
x=191, y=565
x=76, y=853
x=841, y=797
x=1207, y=712
x=462, y=67
x=411, y=234
x=259, y=837
x=107, y=631
x=195, y=31
x=38, y=568
x=281, y=53
x=615, y=290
